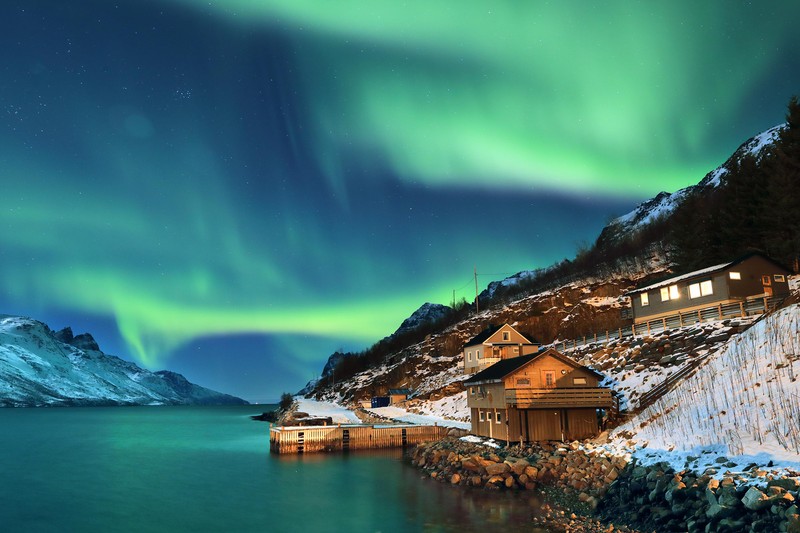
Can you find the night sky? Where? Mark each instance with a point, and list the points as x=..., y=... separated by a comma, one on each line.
x=234, y=189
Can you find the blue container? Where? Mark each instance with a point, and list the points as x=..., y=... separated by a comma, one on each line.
x=380, y=401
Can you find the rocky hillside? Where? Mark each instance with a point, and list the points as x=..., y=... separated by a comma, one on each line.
x=431, y=367
x=41, y=367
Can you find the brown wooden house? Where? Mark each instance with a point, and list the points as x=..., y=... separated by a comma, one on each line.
x=753, y=276
x=543, y=396
x=494, y=344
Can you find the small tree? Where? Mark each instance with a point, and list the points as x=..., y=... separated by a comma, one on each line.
x=286, y=401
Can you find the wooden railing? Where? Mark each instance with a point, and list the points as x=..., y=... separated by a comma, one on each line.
x=560, y=397
x=754, y=306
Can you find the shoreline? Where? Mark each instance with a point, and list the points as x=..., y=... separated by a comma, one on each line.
x=616, y=490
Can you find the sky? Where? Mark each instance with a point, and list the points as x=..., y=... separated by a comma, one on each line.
x=235, y=189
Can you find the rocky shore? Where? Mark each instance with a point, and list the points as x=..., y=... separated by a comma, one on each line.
x=592, y=489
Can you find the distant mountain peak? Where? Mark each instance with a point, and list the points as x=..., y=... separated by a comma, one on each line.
x=41, y=367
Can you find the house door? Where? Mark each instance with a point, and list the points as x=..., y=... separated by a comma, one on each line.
x=544, y=424
x=766, y=282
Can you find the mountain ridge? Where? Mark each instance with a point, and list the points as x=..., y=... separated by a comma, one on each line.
x=42, y=367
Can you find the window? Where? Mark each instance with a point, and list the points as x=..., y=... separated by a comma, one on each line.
x=645, y=299
x=516, y=349
x=523, y=381
x=477, y=354
x=669, y=293
x=579, y=381
x=499, y=418
x=506, y=336
x=549, y=378
x=735, y=275
x=704, y=288
x=779, y=278
x=766, y=280
x=480, y=415
x=469, y=356
x=472, y=391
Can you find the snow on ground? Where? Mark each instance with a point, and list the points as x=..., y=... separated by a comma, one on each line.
x=451, y=407
x=743, y=405
x=401, y=415
x=339, y=414
x=603, y=301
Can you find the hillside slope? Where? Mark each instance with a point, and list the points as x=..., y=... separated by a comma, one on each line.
x=40, y=367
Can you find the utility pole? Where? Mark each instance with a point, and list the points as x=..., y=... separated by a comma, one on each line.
x=475, y=272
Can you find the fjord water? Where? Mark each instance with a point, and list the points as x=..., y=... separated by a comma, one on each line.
x=209, y=469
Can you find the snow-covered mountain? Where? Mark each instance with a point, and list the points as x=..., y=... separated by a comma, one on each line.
x=40, y=367
x=664, y=203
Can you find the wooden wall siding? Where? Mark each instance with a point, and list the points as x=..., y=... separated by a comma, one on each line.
x=497, y=337
x=338, y=438
x=581, y=424
x=494, y=397
x=534, y=372
x=531, y=425
x=489, y=427
x=543, y=424
x=750, y=284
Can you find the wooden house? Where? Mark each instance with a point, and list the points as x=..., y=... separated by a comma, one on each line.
x=751, y=276
x=542, y=396
x=398, y=395
x=494, y=344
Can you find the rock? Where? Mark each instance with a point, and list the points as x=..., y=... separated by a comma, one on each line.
x=755, y=500
x=497, y=469
x=788, y=483
x=455, y=479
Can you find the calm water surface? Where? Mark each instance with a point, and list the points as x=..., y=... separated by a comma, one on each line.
x=209, y=469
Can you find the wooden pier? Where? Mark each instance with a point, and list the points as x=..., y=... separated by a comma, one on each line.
x=308, y=439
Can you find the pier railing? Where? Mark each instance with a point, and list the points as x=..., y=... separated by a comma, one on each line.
x=309, y=439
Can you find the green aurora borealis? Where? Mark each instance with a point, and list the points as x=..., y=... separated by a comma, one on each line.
x=293, y=177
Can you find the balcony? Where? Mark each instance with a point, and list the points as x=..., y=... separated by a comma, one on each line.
x=559, y=398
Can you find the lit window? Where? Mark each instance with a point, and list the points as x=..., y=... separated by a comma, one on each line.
x=506, y=335
x=766, y=280
x=735, y=275
x=645, y=299
x=779, y=278
x=706, y=288
x=480, y=415
x=499, y=418
x=670, y=293
x=579, y=381
x=694, y=290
